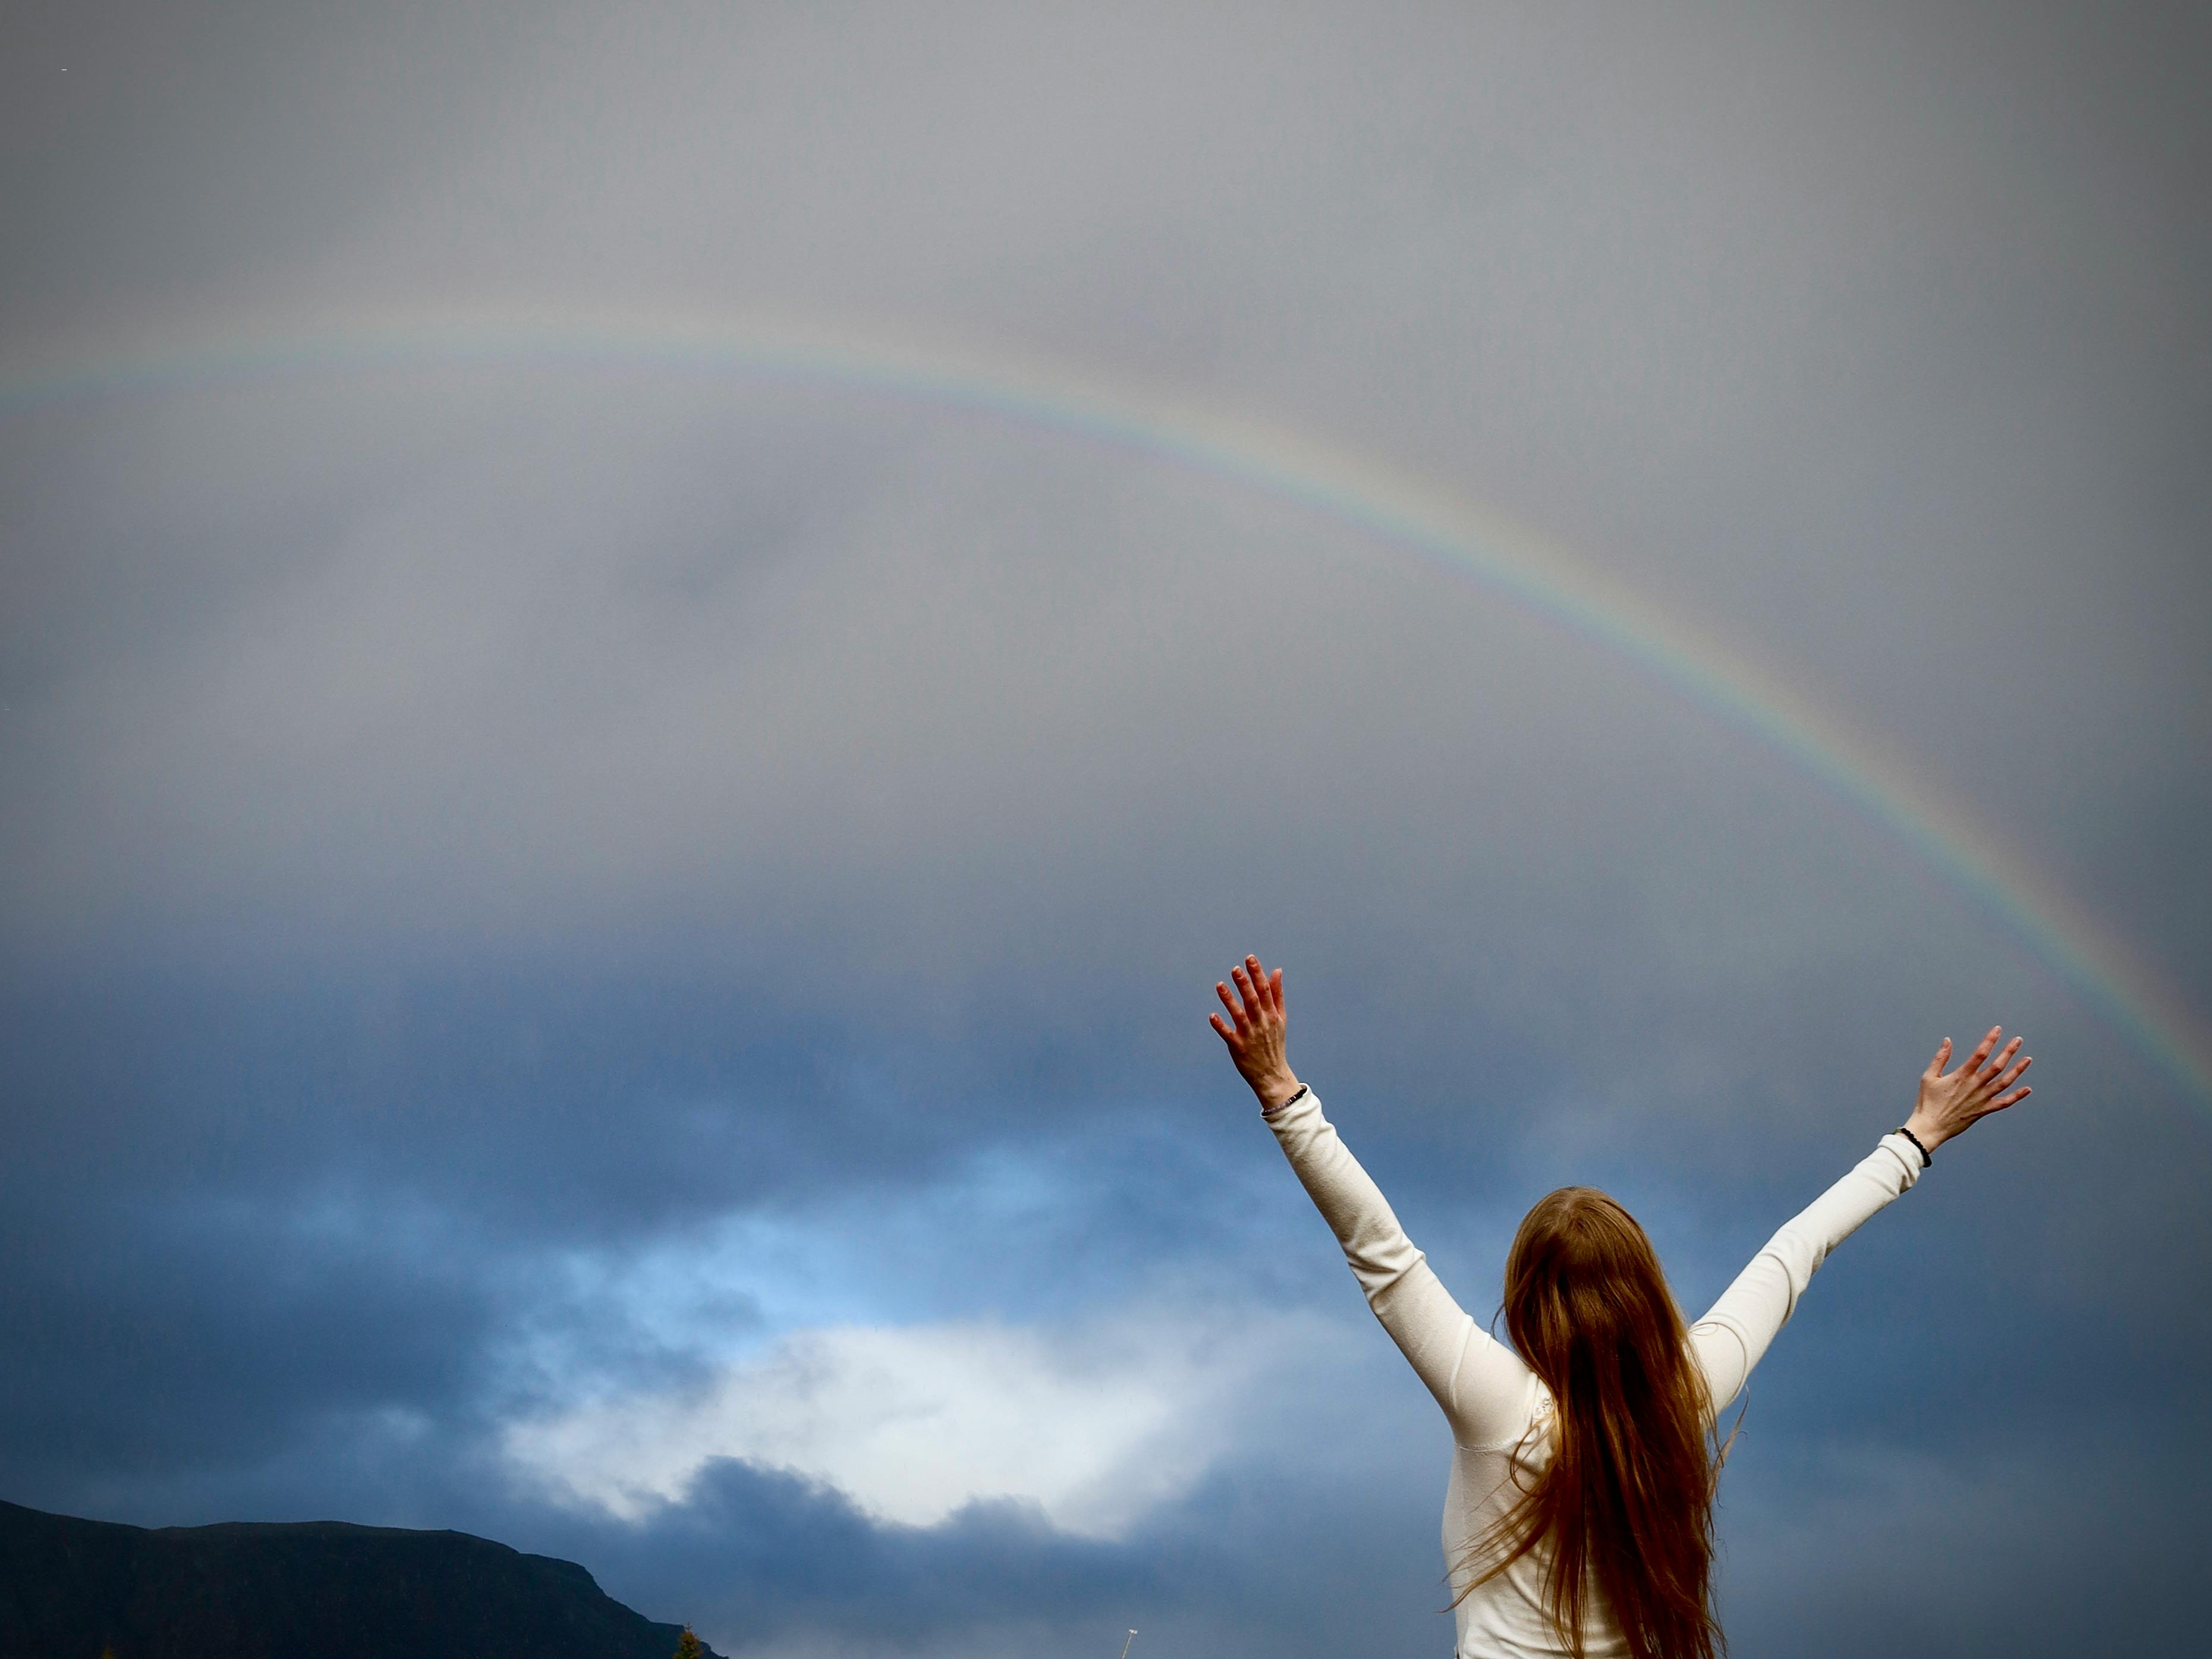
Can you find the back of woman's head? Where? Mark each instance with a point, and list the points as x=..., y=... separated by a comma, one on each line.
x=1626, y=1500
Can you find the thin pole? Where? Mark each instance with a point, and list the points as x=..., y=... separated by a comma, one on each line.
x=1124, y=1645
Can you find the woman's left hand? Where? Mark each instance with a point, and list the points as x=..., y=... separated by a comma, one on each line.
x=1256, y=1034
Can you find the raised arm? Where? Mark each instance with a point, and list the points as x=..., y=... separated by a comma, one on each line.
x=1480, y=1384
x=1730, y=1341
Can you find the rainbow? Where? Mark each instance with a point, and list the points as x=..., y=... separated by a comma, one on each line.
x=1391, y=506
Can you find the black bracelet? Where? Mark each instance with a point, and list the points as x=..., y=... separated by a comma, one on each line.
x=1926, y=1157
x=1276, y=1111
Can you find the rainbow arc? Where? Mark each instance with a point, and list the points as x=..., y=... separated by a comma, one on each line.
x=1389, y=506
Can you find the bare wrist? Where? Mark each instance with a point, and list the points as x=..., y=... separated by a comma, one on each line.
x=1277, y=1090
x=1925, y=1132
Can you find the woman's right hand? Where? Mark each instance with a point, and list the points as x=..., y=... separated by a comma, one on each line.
x=1255, y=1039
x=1950, y=1105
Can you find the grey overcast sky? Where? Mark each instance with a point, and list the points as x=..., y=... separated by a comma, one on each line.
x=612, y=949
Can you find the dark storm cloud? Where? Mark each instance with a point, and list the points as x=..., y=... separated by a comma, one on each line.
x=466, y=836
x=1850, y=1545
x=1847, y=1561
x=792, y=1566
x=1855, y=1547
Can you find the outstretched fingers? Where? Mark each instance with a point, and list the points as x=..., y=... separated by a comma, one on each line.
x=1990, y=1078
x=1234, y=1008
x=1252, y=986
x=1987, y=1080
x=1256, y=1003
x=1269, y=990
x=1973, y=1066
x=2010, y=1094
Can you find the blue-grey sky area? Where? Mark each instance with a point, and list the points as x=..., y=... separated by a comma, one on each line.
x=615, y=952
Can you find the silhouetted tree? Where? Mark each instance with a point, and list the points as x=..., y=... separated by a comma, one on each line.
x=688, y=1646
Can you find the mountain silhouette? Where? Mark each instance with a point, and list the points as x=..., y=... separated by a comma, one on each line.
x=317, y=1589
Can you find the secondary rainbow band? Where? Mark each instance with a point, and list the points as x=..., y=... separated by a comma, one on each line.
x=1389, y=505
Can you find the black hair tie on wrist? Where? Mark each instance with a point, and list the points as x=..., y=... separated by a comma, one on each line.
x=1926, y=1157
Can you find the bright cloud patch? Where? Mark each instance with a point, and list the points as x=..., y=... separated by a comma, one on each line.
x=1096, y=1427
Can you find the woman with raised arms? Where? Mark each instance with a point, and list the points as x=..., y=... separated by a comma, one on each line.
x=1578, y=1519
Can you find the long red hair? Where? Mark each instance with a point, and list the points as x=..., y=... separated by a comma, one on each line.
x=1626, y=1501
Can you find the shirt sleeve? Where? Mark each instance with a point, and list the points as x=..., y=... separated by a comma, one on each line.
x=1732, y=1339
x=1481, y=1384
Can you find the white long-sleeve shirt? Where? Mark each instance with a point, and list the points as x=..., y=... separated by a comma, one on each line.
x=1493, y=1401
